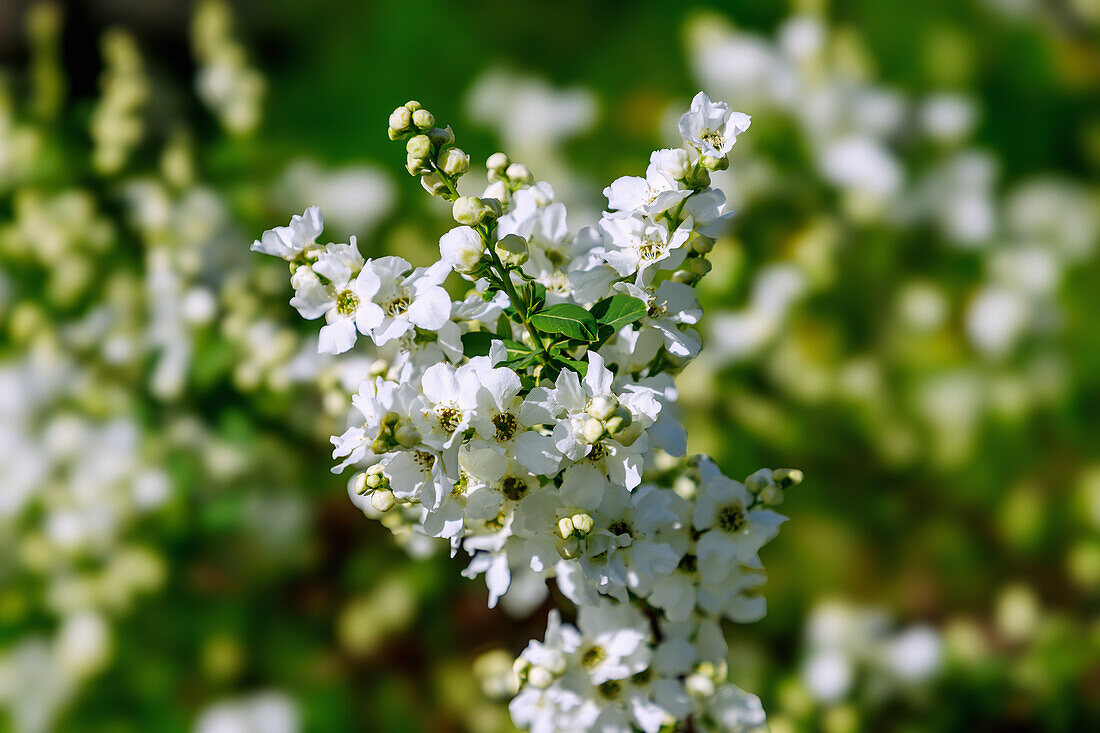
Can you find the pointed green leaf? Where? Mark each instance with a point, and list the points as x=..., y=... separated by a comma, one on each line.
x=567, y=319
x=618, y=310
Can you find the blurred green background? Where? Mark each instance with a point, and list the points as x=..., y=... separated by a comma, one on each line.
x=905, y=308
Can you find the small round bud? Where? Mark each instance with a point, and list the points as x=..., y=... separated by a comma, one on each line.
x=603, y=406
x=787, y=477
x=468, y=210
x=512, y=250
x=407, y=436
x=374, y=476
x=699, y=266
x=715, y=164
x=583, y=523
x=380, y=445
x=441, y=137
x=419, y=146
x=394, y=134
x=700, y=243
x=461, y=248
x=434, y=185
x=701, y=178
x=494, y=206
x=759, y=481
x=361, y=487
x=565, y=528
x=699, y=686
x=378, y=367
x=417, y=166
x=497, y=162
x=616, y=424
x=593, y=430
x=518, y=173
x=400, y=119
x=412, y=105
x=540, y=677
x=383, y=501
x=390, y=419
x=454, y=162
x=423, y=119
x=772, y=495
x=684, y=277
x=569, y=549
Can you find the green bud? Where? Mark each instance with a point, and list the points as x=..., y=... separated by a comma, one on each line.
x=417, y=166
x=759, y=481
x=512, y=250
x=684, y=277
x=469, y=210
x=583, y=523
x=565, y=528
x=603, y=406
x=412, y=105
x=400, y=119
x=361, y=486
x=786, y=477
x=434, y=185
x=419, y=146
x=454, y=162
x=423, y=119
x=701, y=179
x=518, y=173
x=383, y=501
x=441, y=137
x=700, y=243
x=375, y=478
x=390, y=419
x=380, y=445
x=593, y=430
x=772, y=495
x=394, y=134
x=716, y=164
x=699, y=266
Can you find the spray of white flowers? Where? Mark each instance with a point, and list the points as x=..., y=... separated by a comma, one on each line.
x=532, y=423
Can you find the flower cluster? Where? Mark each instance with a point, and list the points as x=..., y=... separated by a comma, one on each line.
x=531, y=423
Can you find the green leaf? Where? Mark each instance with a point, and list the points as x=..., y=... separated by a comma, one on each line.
x=618, y=310
x=476, y=343
x=567, y=319
x=580, y=367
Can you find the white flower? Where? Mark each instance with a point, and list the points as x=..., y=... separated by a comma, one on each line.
x=448, y=399
x=732, y=531
x=409, y=298
x=660, y=190
x=712, y=127
x=344, y=301
x=504, y=420
x=733, y=710
x=672, y=305
x=289, y=241
x=636, y=244
x=461, y=248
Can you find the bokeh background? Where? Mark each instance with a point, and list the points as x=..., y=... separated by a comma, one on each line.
x=906, y=308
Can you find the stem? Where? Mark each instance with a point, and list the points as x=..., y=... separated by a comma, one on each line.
x=502, y=272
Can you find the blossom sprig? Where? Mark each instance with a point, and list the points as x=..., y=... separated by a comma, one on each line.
x=530, y=424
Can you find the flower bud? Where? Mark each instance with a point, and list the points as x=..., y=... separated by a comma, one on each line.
x=786, y=477
x=390, y=419
x=400, y=119
x=419, y=146
x=375, y=478
x=619, y=421
x=412, y=105
x=569, y=549
x=407, y=436
x=699, y=266
x=699, y=686
x=518, y=173
x=383, y=500
x=380, y=445
x=684, y=277
x=423, y=119
x=539, y=677
x=565, y=528
x=469, y=210
x=441, y=137
x=512, y=250
x=416, y=166
x=497, y=162
x=716, y=164
x=772, y=495
x=454, y=162
x=361, y=487
x=593, y=430
x=583, y=523
x=434, y=185
x=759, y=481
x=701, y=178
x=700, y=243
x=461, y=248
x=603, y=406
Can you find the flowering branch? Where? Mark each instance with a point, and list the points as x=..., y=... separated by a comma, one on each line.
x=532, y=425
